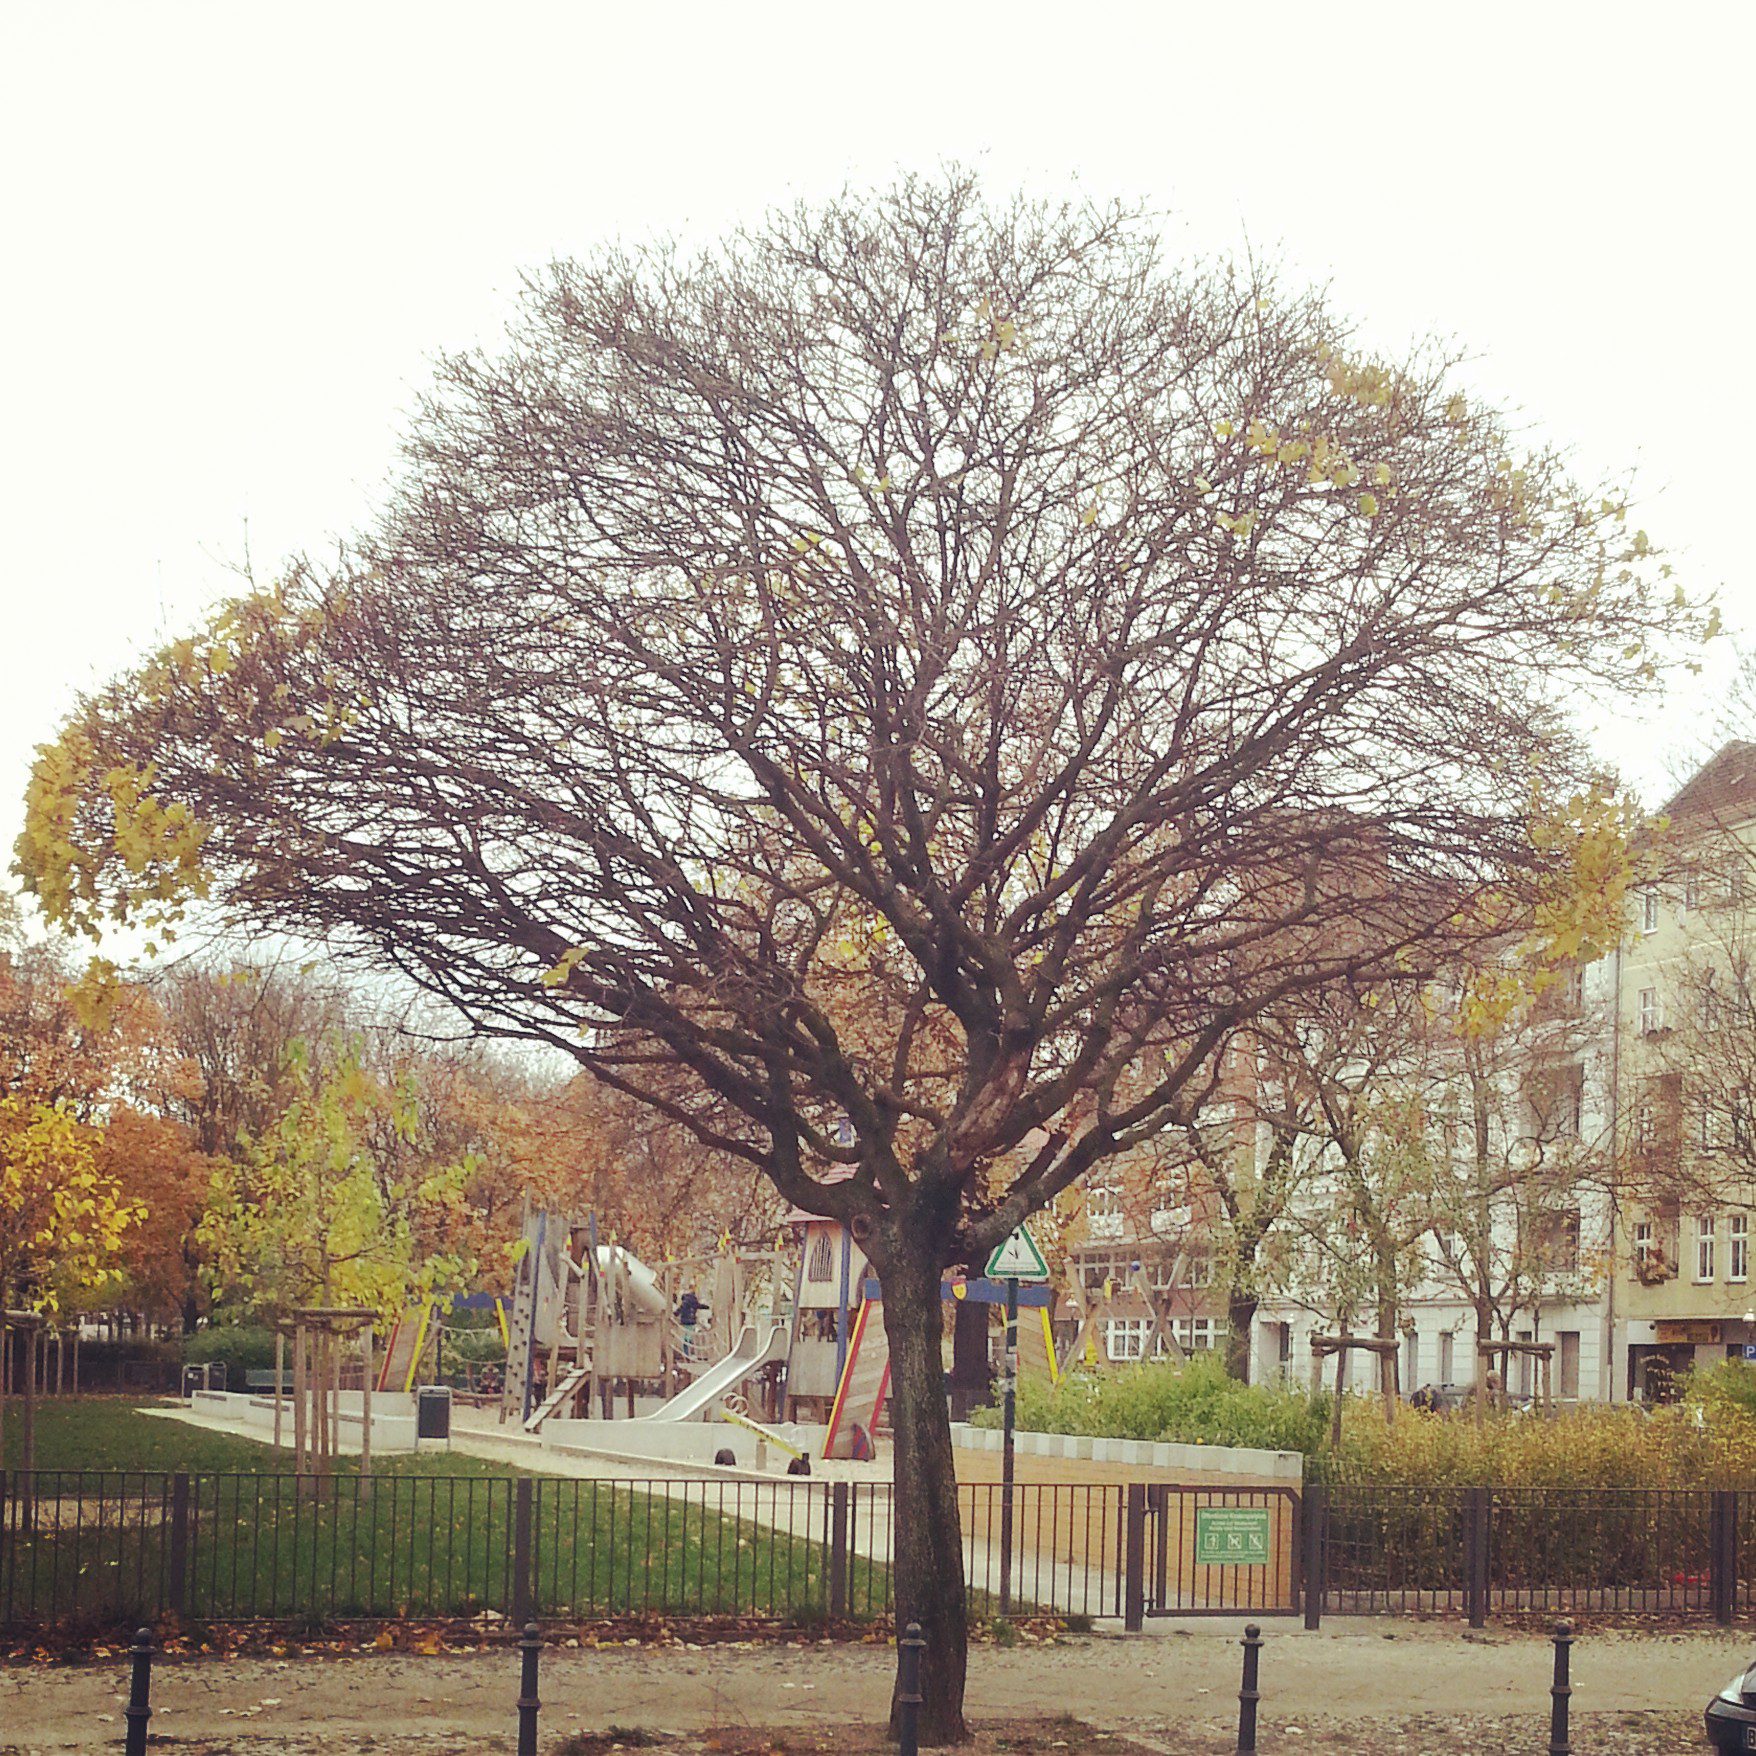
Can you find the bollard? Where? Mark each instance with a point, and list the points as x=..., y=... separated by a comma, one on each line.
x=1249, y=1695
x=1561, y=1693
x=139, y=1708
x=529, y=1647
x=908, y=1691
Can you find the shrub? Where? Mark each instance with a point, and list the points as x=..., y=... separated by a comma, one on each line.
x=1192, y=1402
x=1707, y=1442
x=1723, y=1391
x=1590, y=1446
x=243, y=1347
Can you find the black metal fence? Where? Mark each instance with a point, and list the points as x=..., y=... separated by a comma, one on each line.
x=109, y=1548
x=1486, y=1552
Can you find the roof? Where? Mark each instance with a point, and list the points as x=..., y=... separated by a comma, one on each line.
x=1724, y=786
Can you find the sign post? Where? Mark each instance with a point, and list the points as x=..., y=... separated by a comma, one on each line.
x=1016, y=1258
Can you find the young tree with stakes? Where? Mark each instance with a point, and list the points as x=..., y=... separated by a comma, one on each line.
x=1068, y=651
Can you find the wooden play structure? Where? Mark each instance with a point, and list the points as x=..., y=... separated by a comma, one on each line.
x=590, y=1325
x=412, y=1351
x=587, y=1320
x=757, y=1339
x=838, y=1358
x=1131, y=1296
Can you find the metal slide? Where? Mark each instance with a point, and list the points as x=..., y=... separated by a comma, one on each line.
x=747, y=1357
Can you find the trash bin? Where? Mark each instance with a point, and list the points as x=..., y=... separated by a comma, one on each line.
x=195, y=1378
x=433, y=1412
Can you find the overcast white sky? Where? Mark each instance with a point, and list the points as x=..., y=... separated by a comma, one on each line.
x=234, y=234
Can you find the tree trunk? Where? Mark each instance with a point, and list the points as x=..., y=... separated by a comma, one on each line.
x=1240, y=1325
x=1484, y=1362
x=926, y=1531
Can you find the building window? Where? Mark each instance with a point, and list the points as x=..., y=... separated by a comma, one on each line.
x=1195, y=1334
x=1198, y=1269
x=1099, y=1267
x=1649, y=1011
x=1558, y=1241
x=1567, y=1361
x=1704, y=1241
x=1692, y=888
x=1447, y=1358
x=1649, y=911
x=1738, y=1246
x=821, y=1267
x=1103, y=1211
x=1557, y=1101
x=1125, y=1338
x=1643, y=1244
x=1645, y=1124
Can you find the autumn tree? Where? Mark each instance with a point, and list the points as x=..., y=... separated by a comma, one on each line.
x=234, y=1022
x=311, y=1212
x=1106, y=648
x=94, y=1049
x=159, y=1267
x=62, y=1219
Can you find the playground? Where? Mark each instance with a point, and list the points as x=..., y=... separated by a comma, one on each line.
x=749, y=1389
x=761, y=1362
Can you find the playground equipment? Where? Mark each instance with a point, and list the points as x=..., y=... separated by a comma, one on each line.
x=590, y=1325
x=734, y=1410
x=746, y=1359
x=585, y=1317
x=838, y=1363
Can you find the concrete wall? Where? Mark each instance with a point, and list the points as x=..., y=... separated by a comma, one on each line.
x=669, y=1442
x=1136, y=1456
x=393, y=1417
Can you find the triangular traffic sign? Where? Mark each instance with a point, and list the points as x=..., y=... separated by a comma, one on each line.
x=1017, y=1258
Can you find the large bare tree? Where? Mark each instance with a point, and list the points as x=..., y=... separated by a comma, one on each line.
x=893, y=692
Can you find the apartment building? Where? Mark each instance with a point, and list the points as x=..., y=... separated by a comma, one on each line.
x=1617, y=1219
x=1537, y=1245
x=1142, y=1274
x=1686, y=1089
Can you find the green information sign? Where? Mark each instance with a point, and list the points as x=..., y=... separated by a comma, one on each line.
x=1231, y=1536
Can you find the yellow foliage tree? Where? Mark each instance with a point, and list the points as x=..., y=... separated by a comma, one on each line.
x=62, y=1219
x=313, y=1213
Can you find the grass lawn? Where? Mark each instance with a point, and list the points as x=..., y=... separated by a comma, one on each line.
x=430, y=1535
x=110, y=1433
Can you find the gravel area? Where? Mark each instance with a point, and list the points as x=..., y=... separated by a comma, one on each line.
x=1364, y=1689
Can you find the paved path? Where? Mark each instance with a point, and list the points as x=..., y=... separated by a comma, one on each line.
x=1352, y=1671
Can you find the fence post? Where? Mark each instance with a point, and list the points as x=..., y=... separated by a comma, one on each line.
x=178, y=1567
x=139, y=1708
x=1561, y=1692
x=1734, y=1555
x=1478, y=1512
x=528, y=1704
x=1134, y=1559
x=838, y=1549
x=1722, y=1555
x=1249, y=1694
x=523, y=1605
x=908, y=1690
x=1315, y=1508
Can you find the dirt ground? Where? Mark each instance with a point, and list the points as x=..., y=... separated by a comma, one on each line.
x=1365, y=1688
